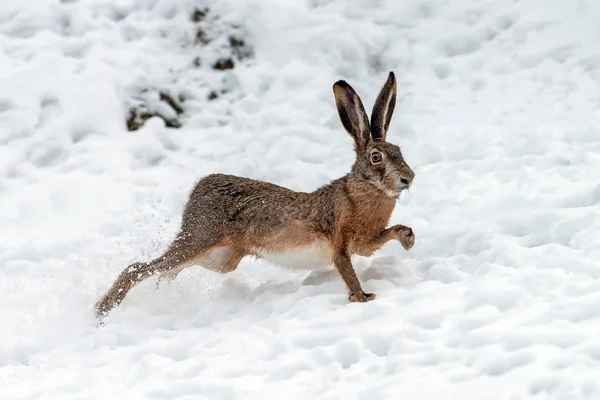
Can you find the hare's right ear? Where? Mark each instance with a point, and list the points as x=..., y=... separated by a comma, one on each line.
x=383, y=109
x=352, y=114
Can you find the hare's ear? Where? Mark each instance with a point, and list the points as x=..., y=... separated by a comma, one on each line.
x=352, y=114
x=384, y=108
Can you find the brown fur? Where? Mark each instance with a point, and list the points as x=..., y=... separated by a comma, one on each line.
x=228, y=217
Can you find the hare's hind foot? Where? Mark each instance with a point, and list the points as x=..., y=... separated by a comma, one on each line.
x=132, y=275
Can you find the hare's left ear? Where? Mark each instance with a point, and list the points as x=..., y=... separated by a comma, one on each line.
x=383, y=109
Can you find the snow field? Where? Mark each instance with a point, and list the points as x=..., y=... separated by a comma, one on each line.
x=497, y=112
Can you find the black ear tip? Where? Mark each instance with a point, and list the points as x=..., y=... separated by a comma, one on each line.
x=341, y=83
x=391, y=76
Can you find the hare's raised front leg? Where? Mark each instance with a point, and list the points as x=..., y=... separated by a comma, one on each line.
x=405, y=236
x=401, y=233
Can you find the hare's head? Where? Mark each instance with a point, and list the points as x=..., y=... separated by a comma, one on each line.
x=377, y=161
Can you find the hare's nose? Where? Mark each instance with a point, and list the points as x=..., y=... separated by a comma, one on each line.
x=404, y=181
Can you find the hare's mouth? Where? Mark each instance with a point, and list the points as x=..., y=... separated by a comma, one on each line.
x=394, y=192
x=392, y=187
x=397, y=191
x=400, y=191
x=401, y=186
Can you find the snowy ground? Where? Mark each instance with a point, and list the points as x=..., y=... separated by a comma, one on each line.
x=498, y=113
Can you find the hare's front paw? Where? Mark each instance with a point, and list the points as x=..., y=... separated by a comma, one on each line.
x=362, y=297
x=405, y=236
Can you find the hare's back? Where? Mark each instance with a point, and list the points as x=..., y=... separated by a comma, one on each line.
x=234, y=201
x=235, y=188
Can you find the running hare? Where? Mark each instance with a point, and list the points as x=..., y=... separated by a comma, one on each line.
x=227, y=217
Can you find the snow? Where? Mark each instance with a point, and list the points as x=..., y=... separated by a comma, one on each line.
x=498, y=111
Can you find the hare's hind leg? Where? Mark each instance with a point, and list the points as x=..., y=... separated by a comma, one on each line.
x=182, y=253
x=223, y=259
x=130, y=277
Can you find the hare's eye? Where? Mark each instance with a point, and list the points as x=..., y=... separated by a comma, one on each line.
x=376, y=157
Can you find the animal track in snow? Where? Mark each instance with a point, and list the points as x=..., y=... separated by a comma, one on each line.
x=48, y=156
x=50, y=110
x=6, y=105
x=500, y=364
x=379, y=344
x=79, y=135
x=346, y=353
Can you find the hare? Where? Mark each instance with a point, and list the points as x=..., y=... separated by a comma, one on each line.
x=227, y=217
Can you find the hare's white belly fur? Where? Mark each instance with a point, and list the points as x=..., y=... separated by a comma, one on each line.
x=314, y=256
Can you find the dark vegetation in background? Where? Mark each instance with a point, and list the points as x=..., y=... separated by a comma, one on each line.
x=170, y=107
